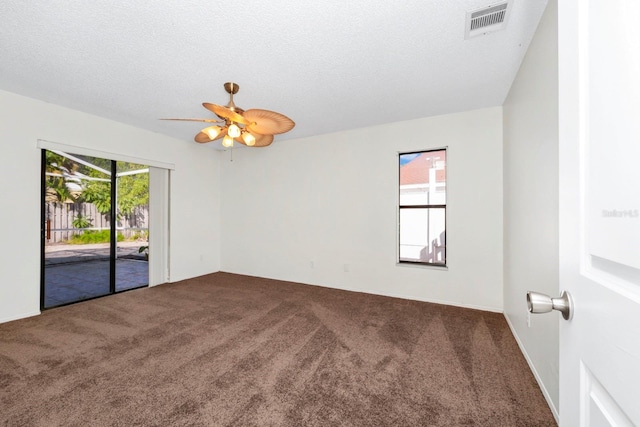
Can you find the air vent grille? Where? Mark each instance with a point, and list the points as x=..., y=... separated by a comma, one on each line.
x=492, y=16
x=485, y=20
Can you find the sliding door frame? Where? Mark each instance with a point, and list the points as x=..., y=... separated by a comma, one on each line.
x=43, y=221
x=113, y=227
x=159, y=211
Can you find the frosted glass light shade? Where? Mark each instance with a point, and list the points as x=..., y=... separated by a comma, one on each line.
x=249, y=139
x=227, y=141
x=212, y=131
x=234, y=131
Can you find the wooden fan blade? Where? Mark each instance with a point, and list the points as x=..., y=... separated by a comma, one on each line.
x=197, y=120
x=202, y=137
x=225, y=113
x=267, y=122
x=261, y=140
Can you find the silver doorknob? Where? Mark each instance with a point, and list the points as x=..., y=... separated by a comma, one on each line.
x=541, y=303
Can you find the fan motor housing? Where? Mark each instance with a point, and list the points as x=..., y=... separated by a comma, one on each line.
x=231, y=88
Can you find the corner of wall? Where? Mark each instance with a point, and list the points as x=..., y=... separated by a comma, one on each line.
x=530, y=209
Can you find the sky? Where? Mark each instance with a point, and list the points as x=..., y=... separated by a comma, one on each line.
x=406, y=158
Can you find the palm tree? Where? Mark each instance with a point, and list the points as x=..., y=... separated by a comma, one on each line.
x=57, y=170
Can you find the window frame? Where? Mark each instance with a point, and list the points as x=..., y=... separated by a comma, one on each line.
x=400, y=207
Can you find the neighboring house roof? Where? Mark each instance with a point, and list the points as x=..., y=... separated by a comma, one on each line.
x=416, y=171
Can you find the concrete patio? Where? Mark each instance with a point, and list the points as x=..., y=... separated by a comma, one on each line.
x=77, y=272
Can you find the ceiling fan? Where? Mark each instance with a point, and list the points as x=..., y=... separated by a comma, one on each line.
x=254, y=127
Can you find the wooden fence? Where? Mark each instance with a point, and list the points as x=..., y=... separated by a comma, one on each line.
x=59, y=220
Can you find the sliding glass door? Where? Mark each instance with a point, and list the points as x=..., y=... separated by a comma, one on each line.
x=132, y=226
x=94, y=224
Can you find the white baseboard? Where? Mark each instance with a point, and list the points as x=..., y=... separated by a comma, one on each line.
x=431, y=300
x=19, y=316
x=545, y=393
x=384, y=294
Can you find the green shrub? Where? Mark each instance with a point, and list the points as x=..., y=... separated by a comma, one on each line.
x=142, y=235
x=145, y=250
x=93, y=236
x=82, y=221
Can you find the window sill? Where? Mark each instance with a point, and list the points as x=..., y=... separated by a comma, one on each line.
x=440, y=267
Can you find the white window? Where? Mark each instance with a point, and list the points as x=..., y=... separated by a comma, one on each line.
x=423, y=207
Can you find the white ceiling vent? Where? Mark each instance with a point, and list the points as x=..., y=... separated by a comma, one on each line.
x=487, y=19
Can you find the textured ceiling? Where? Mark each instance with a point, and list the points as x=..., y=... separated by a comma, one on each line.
x=330, y=65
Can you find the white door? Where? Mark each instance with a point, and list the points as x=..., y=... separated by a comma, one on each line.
x=599, y=86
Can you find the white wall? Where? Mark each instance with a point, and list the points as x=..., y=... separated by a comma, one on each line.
x=531, y=201
x=306, y=210
x=195, y=199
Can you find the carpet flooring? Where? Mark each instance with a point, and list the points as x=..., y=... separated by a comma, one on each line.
x=231, y=350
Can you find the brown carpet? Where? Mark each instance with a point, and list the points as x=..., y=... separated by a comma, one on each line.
x=229, y=350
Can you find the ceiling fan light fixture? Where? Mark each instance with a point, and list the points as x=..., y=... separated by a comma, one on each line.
x=253, y=128
x=233, y=131
x=227, y=141
x=212, y=131
x=249, y=139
